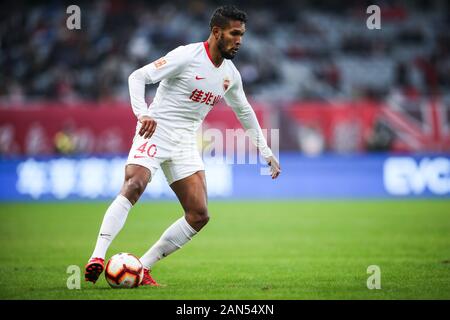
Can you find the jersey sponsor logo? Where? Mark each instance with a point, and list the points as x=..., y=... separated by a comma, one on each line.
x=159, y=63
x=207, y=98
x=199, y=78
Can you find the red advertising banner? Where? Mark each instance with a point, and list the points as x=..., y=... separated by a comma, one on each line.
x=38, y=130
x=85, y=128
x=356, y=126
x=313, y=127
x=341, y=127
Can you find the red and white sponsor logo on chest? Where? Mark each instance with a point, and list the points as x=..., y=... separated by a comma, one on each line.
x=207, y=97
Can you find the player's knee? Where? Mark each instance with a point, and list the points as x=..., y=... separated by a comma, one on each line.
x=198, y=217
x=204, y=218
x=134, y=187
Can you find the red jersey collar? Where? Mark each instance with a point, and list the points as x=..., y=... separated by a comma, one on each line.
x=209, y=54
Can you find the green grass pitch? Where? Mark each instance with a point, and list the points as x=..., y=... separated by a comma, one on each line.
x=249, y=250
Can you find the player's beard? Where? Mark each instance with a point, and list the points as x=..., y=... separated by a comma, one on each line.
x=222, y=49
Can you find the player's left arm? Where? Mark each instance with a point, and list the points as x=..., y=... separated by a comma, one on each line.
x=235, y=97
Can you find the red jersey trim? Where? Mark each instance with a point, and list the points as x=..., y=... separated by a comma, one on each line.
x=206, y=45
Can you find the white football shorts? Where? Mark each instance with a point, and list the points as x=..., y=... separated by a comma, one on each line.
x=176, y=154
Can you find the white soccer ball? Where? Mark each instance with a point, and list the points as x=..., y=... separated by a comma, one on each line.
x=124, y=270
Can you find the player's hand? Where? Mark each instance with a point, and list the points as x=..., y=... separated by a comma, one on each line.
x=148, y=126
x=275, y=168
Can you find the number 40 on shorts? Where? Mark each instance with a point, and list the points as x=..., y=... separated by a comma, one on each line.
x=150, y=150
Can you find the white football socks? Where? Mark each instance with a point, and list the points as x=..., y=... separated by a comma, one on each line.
x=113, y=221
x=172, y=239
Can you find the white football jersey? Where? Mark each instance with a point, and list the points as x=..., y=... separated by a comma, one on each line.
x=190, y=86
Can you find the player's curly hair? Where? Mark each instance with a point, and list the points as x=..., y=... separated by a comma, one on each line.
x=222, y=15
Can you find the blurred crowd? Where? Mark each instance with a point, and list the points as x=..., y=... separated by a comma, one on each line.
x=292, y=49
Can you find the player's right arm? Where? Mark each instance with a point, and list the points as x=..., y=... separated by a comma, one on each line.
x=166, y=67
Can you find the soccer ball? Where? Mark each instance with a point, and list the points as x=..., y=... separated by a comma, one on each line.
x=124, y=270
